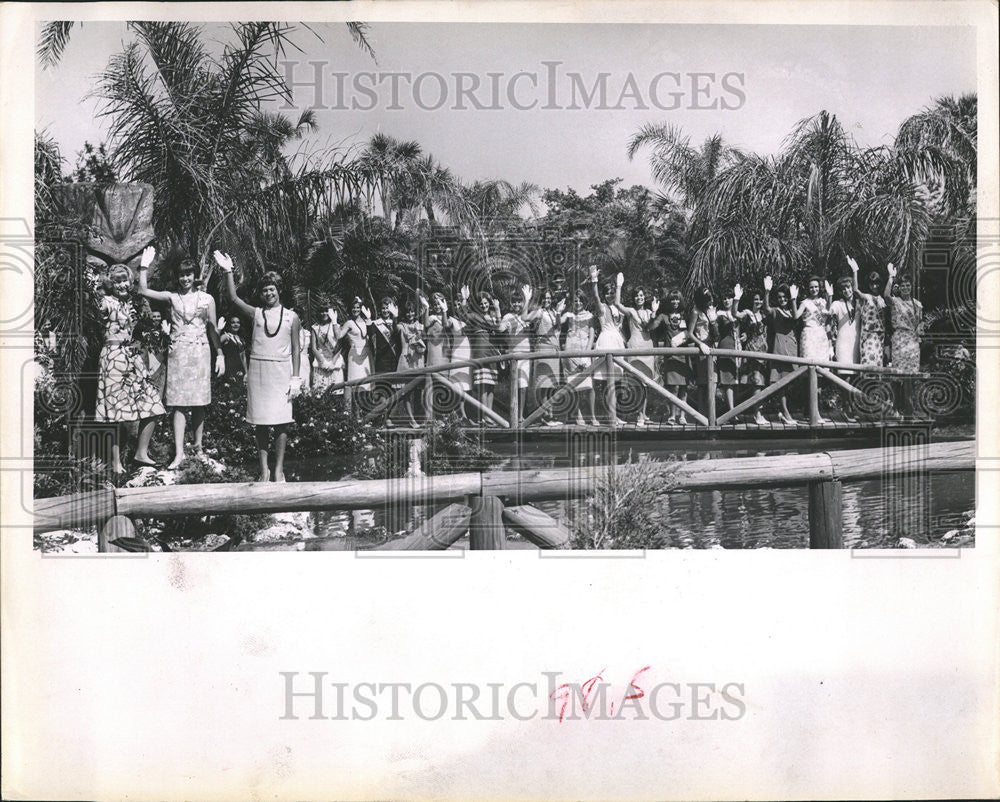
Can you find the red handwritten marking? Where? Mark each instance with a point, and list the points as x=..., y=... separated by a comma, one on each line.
x=563, y=693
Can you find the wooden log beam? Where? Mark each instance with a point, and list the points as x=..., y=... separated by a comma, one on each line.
x=537, y=527
x=76, y=511
x=475, y=402
x=763, y=395
x=840, y=382
x=652, y=385
x=609, y=368
x=118, y=527
x=570, y=385
x=436, y=534
x=393, y=399
x=486, y=530
x=259, y=497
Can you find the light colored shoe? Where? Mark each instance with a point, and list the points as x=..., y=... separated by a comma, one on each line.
x=641, y=422
x=553, y=422
x=760, y=420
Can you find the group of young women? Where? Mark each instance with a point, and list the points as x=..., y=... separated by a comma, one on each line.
x=283, y=358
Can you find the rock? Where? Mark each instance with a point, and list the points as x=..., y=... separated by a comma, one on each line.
x=286, y=526
x=906, y=543
x=949, y=535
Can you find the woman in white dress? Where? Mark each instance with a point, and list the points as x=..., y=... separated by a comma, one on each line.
x=328, y=361
x=610, y=336
x=189, y=374
x=518, y=340
x=355, y=329
x=544, y=321
x=639, y=318
x=578, y=326
x=273, y=371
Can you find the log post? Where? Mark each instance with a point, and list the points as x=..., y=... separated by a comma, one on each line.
x=117, y=527
x=813, y=396
x=515, y=401
x=486, y=530
x=711, y=390
x=609, y=366
x=825, y=525
x=429, y=399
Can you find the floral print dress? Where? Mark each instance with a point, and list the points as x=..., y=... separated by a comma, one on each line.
x=125, y=391
x=872, y=329
x=906, y=317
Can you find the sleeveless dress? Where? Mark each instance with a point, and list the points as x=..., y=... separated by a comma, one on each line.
x=269, y=371
x=848, y=328
x=481, y=329
x=329, y=367
x=729, y=338
x=383, y=344
x=125, y=391
x=518, y=342
x=412, y=347
x=814, y=343
x=752, y=370
x=579, y=326
x=461, y=351
x=905, y=337
x=610, y=337
x=782, y=335
x=358, y=354
x=872, y=330
x=703, y=331
x=189, y=360
x=668, y=326
x=640, y=337
x=546, y=371
x=436, y=340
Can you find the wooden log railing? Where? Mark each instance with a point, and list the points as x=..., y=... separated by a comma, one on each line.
x=817, y=470
x=615, y=362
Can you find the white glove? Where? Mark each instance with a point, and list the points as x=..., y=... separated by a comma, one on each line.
x=737, y=292
x=294, y=387
x=654, y=305
x=793, y=292
x=593, y=273
x=828, y=287
x=768, y=284
x=619, y=279
x=220, y=364
x=221, y=325
x=224, y=260
x=853, y=264
x=148, y=255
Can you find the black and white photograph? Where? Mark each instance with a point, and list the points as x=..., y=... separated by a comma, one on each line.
x=688, y=301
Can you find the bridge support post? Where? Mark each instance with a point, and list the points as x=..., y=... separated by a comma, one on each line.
x=515, y=400
x=610, y=367
x=117, y=526
x=486, y=530
x=825, y=524
x=711, y=390
x=813, y=396
x=429, y=398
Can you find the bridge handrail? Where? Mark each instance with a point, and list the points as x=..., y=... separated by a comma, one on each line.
x=413, y=373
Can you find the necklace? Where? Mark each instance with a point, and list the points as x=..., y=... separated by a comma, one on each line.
x=281, y=319
x=187, y=318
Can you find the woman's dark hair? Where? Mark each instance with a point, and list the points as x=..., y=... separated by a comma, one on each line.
x=817, y=279
x=844, y=281
x=674, y=295
x=782, y=289
x=702, y=296
x=186, y=266
x=874, y=279
x=270, y=279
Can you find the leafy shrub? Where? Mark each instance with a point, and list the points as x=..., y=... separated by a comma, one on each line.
x=623, y=511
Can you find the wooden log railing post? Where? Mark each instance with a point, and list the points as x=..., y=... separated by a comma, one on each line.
x=609, y=366
x=813, y=397
x=825, y=524
x=515, y=401
x=486, y=529
x=429, y=398
x=710, y=390
x=116, y=528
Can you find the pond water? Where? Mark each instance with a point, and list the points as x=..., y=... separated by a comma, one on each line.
x=876, y=513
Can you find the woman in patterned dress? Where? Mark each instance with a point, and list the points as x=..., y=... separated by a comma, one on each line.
x=578, y=326
x=727, y=367
x=328, y=360
x=125, y=391
x=545, y=324
x=517, y=340
x=703, y=330
x=814, y=312
x=461, y=350
x=609, y=337
x=273, y=378
x=675, y=371
x=412, y=349
x=872, y=313
x=482, y=326
x=753, y=327
x=639, y=318
x=192, y=323
x=781, y=324
x=906, y=312
x=437, y=337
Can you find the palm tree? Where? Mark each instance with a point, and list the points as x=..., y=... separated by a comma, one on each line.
x=678, y=166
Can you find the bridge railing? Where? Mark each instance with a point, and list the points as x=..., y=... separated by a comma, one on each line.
x=485, y=496
x=871, y=389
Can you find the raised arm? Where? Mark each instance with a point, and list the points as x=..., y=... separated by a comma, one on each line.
x=593, y=285
x=213, y=336
x=852, y=263
x=225, y=263
x=891, y=271
x=148, y=255
x=768, y=285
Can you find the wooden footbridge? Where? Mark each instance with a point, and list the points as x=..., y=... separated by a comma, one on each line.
x=486, y=505
x=869, y=388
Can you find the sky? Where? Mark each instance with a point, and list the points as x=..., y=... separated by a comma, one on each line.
x=760, y=79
